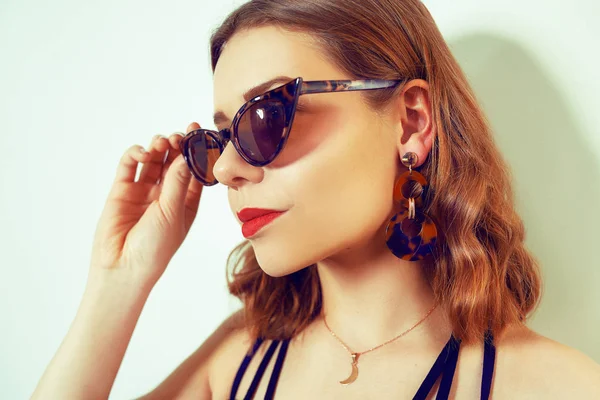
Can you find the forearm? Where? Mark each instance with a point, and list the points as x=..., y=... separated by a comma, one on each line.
x=86, y=363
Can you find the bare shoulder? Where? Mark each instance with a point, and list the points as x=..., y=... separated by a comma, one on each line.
x=227, y=357
x=530, y=365
x=193, y=378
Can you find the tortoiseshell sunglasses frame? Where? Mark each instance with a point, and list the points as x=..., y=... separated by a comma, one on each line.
x=287, y=94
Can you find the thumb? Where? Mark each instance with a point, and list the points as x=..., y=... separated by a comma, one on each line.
x=175, y=186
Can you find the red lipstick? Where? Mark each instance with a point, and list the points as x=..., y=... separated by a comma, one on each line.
x=254, y=219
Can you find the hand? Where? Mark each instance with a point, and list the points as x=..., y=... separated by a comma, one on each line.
x=144, y=222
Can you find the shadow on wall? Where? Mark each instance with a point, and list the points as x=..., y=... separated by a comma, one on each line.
x=556, y=179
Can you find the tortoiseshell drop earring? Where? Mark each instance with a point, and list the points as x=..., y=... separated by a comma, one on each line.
x=410, y=234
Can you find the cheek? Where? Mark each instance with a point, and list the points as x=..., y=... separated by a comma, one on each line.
x=343, y=181
x=339, y=177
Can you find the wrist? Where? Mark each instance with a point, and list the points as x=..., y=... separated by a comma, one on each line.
x=117, y=282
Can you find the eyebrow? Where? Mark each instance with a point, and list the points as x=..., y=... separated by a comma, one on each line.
x=220, y=116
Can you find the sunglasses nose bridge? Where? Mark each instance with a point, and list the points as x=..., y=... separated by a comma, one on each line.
x=225, y=135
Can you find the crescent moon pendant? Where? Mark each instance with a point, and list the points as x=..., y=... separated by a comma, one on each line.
x=353, y=375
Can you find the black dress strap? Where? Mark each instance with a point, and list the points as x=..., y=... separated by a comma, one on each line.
x=243, y=366
x=261, y=370
x=437, y=369
x=277, y=370
x=489, y=358
x=444, y=365
x=448, y=374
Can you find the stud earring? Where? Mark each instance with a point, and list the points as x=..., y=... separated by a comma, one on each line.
x=410, y=234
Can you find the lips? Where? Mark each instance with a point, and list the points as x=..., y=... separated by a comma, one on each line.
x=248, y=214
x=253, y=226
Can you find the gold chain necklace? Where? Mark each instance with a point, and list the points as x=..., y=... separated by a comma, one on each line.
x=354, y=375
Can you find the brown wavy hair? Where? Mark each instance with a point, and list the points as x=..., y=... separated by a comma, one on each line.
x=482, y=272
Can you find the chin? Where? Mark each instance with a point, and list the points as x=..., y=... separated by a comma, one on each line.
x=277, y=268
x=276, y=272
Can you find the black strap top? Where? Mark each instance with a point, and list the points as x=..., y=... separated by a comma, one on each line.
x=444, y=365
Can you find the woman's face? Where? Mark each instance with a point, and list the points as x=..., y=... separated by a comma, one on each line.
x=336, y=173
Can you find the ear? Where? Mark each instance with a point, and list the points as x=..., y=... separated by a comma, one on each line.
x=416, y=127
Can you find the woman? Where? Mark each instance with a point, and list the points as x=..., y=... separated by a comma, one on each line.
x=385, y=258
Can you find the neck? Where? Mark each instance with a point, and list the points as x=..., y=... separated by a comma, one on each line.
x=370, y=297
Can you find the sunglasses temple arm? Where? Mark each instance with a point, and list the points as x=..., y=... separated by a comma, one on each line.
x=346, y=85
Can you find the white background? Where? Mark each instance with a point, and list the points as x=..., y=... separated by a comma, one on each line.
x=81, y=81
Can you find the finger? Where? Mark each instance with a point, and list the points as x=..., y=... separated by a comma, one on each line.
x=152, y=170
x=129, y=162
x=175, y=187
x=172, y=153
x=192, y=199
x=192, y=127
x=174, y=140
x=175, y=143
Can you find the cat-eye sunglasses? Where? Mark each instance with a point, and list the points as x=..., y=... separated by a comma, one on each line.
x=261, y=127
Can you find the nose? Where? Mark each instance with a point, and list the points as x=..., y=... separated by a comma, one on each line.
x=232, y=170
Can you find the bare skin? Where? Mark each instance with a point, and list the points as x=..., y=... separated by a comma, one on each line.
x=143, y=223
x=528, y=366
x=369, y=296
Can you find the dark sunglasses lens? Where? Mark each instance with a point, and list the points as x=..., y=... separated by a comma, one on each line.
x=204, y=151
x=261, y=129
